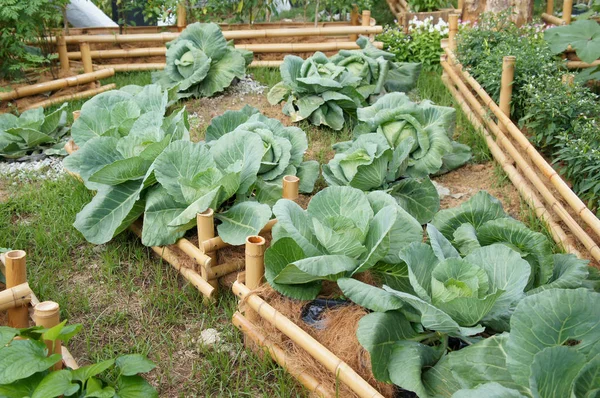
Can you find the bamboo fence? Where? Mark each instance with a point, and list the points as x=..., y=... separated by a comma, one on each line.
x=259, y=308
x=71, y=97
x=56, y=84
x=16, y=299
x=161, y=65
x=567, y=11
x=478, y=106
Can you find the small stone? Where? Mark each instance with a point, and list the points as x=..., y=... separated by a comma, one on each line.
x=209, y=337
x=442, y=190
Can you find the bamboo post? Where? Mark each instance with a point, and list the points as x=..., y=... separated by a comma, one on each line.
x=76, y=115
x=506, y=85
x=255, y=261
x=548, y=171
x=568, y=79
x=354, y=21
x=405, y=22
x=47, y=315
x=453, y=29
x=305, y=341
x=290, y=187
x=62, y=54
x=16, y=274
x=366, y=18
x=278, y=355
x=501, y=139
x=55, y=84
x=86, y=58
x=460, y=6
x=70, y=97
x=567, y=10
x=550, y=7
x=17, y=296
x=206, y=230
x=181, y=16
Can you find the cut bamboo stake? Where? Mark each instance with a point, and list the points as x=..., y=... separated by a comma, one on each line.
x=290, y=187
x=68, y=359
x=17, y=296
x=86, y=57
x=62, y=54
x=453, y=29
x=558, y=234
x=181, y=16
x=206, y=230
x=16, y=274
x=581, y=64
x=71, y=97
x=255, y=261
x=561, y=186
x=460, y=6
x=366, y=18
x=169, y=256
x=278, y=355
x=551, y=19
x=56, y=84
x=550, y=7
x=506, y=85
x=515, y=177
x=76, y=114
x=354, y=21
x=305, y=341
x=567, y=10
x=229, y=34
x=47, y=315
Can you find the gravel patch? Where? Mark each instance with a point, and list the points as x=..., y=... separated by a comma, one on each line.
x=50, y=168
x=246, y=86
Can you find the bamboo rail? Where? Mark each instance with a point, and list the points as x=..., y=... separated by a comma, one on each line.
x=229, y=34
x=505, y=162
x=71, y=97
x=582, y=65
x=317, y=350
x=278, y=355
x=546, y=169
x=14, y=297
x=56, y=84
x=169, y=256
x=551, y=19
x=256, y=48
x=159, y=66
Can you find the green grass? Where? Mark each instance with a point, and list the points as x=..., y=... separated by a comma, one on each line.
x=267, y=76
x=129, y=301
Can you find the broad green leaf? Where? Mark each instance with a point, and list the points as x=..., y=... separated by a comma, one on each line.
x=588, y=379
x=465, y=238
x=6, y=335
x=242, y=220
x=555, y=317
x=133, y=364
x=23, y=387
x=378, y=333
x=418, y=197
x=296, y=223
x=569, y=272
x=583, y=36
x=22, y=358
x=553, y=371
x=134, y=387
x=227, y=122
x=421, y=261
x=442, y=248
x=56, y=384
x=407, y=362
x=347, y=240
x=277, y=257
x=342, y=202
x=370, y=297
x=488, y=390
x=308, y=172
x=222, y=73
x=316, y=268
x=200, y=205
x=86, y=372
x=91, y=158
x=378, y=239
x=278, y=93
x=160, y=210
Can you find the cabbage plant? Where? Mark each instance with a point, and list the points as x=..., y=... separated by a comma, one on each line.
x=33, y=133
x=369, y=163
x=423, y=129
x=283, y=150
x=343, y=232
x=328, y=91
x=201, y=63
x=120, y=133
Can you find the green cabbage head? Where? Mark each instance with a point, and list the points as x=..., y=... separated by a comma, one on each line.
x=201, y=62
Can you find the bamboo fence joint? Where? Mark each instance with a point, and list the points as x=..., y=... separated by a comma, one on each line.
x=453, y=29
x=17, y=296
x=255, y=261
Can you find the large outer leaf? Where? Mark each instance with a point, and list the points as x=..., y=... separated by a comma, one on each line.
x=442, y=248
x=22, y=358
x=377, y=333
x=481, y=208
x=296, y=223
x=408, y=360
x=588, y=379
x=86, y=161
x=421, y=261
x=569, y=272
x=207, y=37
x=100, y=219
x=488, y=390
x=402, y=76
x=552, y=318
x=222, y=72
x=554, y=370
x=160, y=210
x=282, y=253
x=242, y=220
x=135, y=387
x=368, y=296
x=227, y=122
x=418, y=197
x=378, y=237
x=56, y=384
x=316, y=268
x=583, y=36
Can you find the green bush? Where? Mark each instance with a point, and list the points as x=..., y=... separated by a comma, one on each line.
x=423, y=44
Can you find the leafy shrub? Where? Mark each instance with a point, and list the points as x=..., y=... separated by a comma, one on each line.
x=343, y=232
x=27, y=368
x=33, y=133
x=327, y=91
x=477, y=273
x=427, y=5
x=422, y=44
x=200, y=62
